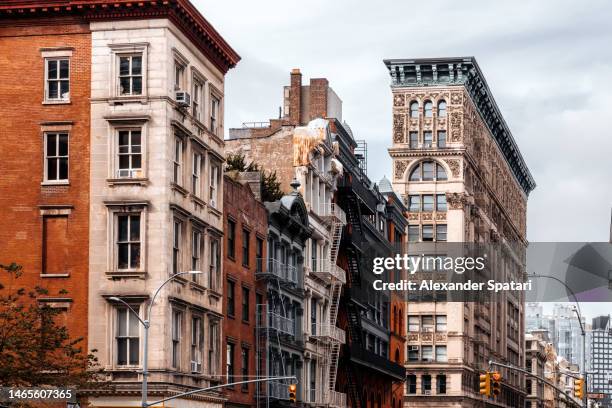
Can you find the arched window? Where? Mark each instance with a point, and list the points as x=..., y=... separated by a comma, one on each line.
x=428, y=171
x=414, y=109
x=442, y=109
x=395, y=319
x=428, y=109
x=397, y=358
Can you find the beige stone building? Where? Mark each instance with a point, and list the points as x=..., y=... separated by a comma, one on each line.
x=463, y=178
x=156, y=202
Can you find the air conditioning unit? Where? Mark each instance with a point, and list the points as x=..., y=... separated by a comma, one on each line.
x=427, y=392
x=196, y=367
x=183, y=98
x=413, y=348
x=129, y=173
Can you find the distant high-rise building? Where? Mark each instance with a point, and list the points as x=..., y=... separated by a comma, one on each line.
x=601, y=360
x=534, y=317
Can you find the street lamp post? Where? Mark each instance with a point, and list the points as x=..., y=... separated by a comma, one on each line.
x=583, y=332
x=146, y=323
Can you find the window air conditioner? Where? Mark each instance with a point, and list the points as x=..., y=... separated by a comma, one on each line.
x=183, y=98
x=128, y=173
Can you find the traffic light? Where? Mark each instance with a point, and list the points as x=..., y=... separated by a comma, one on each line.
x=485, y=384
x=496, y=383
x=292, y=392
x=578, y=388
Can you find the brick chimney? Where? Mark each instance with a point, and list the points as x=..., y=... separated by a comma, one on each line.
x=318, y=98
x=295, y=97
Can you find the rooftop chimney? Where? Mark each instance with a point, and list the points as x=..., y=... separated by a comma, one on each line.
x=295, y=96
x=318, y=98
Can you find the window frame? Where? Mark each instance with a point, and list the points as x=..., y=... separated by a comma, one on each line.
x=178, y=159
x=127, y=49
x=246, y=247
x=428, y=109
x=176, y=336
x=443, y=144
x=131, y=75
x=246, y=295
x=198, y=99
x=59, y=79
x=214, y=124
x=178, y=226
x=130, y=242
x=213, y=184
x=196, y=252
x=129, y=316
x=445, y=110
x=414, y=113
x=134, y=172
x=231, y=298
x=231, y=239
x=57, y=157
x=197, y=344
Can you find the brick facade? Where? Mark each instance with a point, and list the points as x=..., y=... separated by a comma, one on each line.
x=242, y=212
x=31, y=209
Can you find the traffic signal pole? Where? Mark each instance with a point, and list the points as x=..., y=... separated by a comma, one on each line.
x=529, y=374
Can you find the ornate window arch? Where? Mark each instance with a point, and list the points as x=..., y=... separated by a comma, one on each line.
x=442, y=108
x=428, y=109
x=414, y=109
x=428, y=170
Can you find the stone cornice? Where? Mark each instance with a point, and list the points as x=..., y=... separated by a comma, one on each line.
x=465, y=71
x=180, y=12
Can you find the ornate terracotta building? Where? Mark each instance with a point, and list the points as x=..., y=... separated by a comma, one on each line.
x=463, y=179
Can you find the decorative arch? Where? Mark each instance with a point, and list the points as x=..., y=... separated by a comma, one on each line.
x=442, y=108
x=414, y=166
x=414, y=109
x=428, y=108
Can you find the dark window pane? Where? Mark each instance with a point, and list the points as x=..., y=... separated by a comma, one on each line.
x=124, y=137
x=428, y=171
x=63, y=169
x=135, y=256
x=125, y=85
x=136, y=65
x=135, y=137
x=137, y=86
x=134, y=228
x=122, y=222
x=121, y=351
x=134, y=344
x=63, y=145
x=63, y=69
x=52, y=69
x=124, y=161
x=136, y=161
x=52, y=169
x=124, y=66
x=122, y=256
x=53, y=90
x=51, y=145
x=65, y=88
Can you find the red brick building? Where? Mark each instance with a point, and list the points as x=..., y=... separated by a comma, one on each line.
x=44, y=188
x=246, y=226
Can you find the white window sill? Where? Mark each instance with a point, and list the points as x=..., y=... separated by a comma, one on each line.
x=54, y=275
x=57, y=102
x=128, y=180
x=55, y=183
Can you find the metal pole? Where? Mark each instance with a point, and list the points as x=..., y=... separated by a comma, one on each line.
x=145, y=371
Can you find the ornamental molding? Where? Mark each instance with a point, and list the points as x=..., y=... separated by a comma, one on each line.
x=400, y=167
x=456, y=201
x=455, y=167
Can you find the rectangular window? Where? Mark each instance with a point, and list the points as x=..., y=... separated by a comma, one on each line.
x=441, y=202
x=245, y=304
x=428, y=233
x=259, y=254
x=214, y=114
x=196, y=167
x=246, y=238
x=313, y=254
x=213, y=347
x=441, y=232
x=426, y=384
x=215, y=265
x=428, y=203
x=130, y=74
x=129, y=153
x=231, y=239
x=128, y=241
x=231, y=305
x=176, y=247
x=413, y=233
x=411, y=384
x=414, y=203
x=442, y=138
x=179, y=72
x=55, y=244
x=197, y=100
x=176, y=338
x=56, y=157
x=127, y=337
x=196, y=251
x=428, y=171
x=441, y=323
x=230, y=362
x=427, y=322
x=57, y=79
x=245, y=367
x=214, y=182
x=196, y=345
x=441, y=353
x=413, y=323
x=313, y=317
x=414, y=139
x=177, y=162
x=427, y=139
x=441, y=384
x=413, y=353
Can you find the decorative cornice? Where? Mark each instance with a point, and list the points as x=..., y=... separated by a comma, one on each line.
x=466, y=72
x=180, y=12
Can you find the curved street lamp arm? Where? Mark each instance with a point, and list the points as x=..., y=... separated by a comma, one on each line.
x=579, y=312
x=148, y=316
x=116, y=299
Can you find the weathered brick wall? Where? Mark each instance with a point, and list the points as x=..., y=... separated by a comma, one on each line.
x=21, y=147
x=243, y=209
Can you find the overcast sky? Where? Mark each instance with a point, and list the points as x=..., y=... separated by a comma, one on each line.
x=548, y=63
